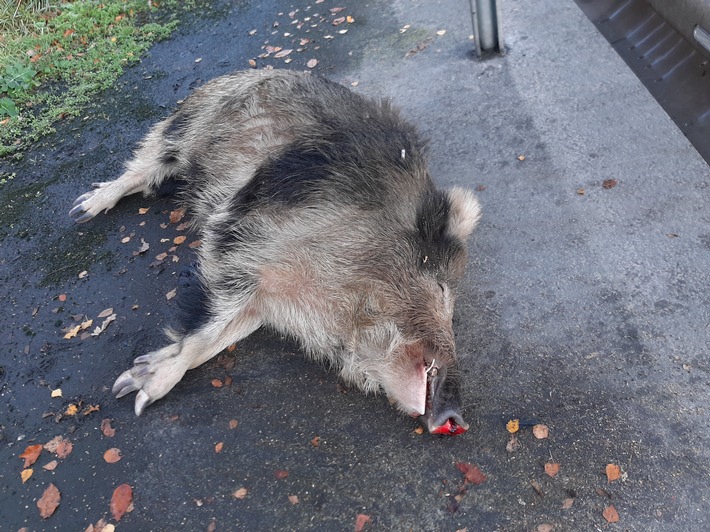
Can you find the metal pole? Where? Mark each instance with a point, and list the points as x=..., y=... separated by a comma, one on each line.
x=485, y=17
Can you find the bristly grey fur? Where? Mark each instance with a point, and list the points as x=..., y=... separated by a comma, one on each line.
x=318, y=218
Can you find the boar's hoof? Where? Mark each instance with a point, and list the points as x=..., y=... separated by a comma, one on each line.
x=152, y=376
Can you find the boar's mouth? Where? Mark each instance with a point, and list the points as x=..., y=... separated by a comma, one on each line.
x=442, y=404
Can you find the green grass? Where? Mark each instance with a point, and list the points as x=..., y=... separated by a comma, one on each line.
x=54, y=57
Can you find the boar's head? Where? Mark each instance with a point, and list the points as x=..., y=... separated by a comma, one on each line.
x=420, y=374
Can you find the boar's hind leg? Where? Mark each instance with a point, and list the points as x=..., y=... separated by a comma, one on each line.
x=150, y=167
x=154, y=375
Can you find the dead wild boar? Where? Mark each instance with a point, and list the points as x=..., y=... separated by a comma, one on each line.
x=318, y=218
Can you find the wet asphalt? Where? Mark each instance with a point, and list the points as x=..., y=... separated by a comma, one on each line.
x=585, y=307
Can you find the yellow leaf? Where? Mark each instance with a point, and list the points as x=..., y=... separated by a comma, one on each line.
x=57, y=392
x=71, y=410
x=179, y=239
x=86, y=324
x=513, y=426
x=71, y=333
x=26, y=473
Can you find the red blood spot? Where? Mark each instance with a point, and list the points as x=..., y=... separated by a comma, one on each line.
x=450, y=428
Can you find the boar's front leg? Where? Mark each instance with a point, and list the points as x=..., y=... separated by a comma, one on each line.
x=155, y=374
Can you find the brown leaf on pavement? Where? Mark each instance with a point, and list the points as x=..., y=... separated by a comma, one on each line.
x=610, y=514
x=31, y=454
x=552, y=468
x=120, y=501
x=107, y=429
x=49, y=501
x=113, y=455
x=540, y=431
x=471, y=472
x=613, y=472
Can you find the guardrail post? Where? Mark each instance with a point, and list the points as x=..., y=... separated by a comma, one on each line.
x=487, y=34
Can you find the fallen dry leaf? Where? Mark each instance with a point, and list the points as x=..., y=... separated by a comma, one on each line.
x=218, y=448
x=171, y=294
x=338, y=21
x=312, y=63
x=101, y=328
x=537, y=487
x=521, y=157
x=107, y=429
x=252, y=63
x=31, y=453
x=195, y=244
x=145, y=246
x=120, y=501
x=471, y=472
x=609, y=183
x=51, y=466
x=540, y=431
x=179, y=239
x=293, y=499
x=113, y=455
x=567, y=504
x=419, y=430
x=552, y=468
x=176, y=215
x=25, y=474
x=240, y=493
x=602, y=493
x=62, y=297
x=143, y=210
x=49, y=501
x=360, y=521
x=280, y=474
x=513, y=444
x=59, y=446
x=613, y=472
x=513, y=426
x=441, y=32
x=57, y=392
x=335, y=10
x=581, y=191
x=233, y=424
x=545, y=527
x=217, y=383
x=105, y=313
x=89, y=409
x=283, y=53
x=610, y=514
x=72, y=332
x=71, y=410
x=125, y=240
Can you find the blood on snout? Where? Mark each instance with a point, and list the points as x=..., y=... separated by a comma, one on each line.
x=450, y=428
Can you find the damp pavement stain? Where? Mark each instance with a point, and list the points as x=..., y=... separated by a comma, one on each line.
x=578, y=312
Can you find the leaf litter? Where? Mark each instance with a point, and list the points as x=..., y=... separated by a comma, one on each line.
x=49, y=501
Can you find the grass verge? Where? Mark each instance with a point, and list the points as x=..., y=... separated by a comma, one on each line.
x=55, y=57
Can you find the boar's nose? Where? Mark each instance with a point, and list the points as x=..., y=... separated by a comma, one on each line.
x=449, y=423
x=444, y=403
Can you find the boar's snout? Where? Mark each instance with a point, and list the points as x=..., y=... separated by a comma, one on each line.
x=443, y=407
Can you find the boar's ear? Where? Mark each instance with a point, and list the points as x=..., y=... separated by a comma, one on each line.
x=464, y=213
